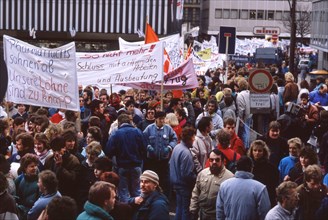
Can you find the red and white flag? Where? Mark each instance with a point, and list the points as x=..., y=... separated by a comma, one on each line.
x=151, y=37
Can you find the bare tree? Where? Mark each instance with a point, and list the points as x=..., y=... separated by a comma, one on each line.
x=303, y=22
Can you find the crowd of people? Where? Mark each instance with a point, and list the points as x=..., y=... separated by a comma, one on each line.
x=131, y=154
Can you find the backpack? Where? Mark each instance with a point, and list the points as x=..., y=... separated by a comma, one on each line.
x=231, y=164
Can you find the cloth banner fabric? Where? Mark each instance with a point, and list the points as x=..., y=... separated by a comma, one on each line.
x=41, y=76
x=172, y=45
x=183, y=77
x=140, y=64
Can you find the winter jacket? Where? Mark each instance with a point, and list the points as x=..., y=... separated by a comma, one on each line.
x=291, y=92
x=204, y=194
x=285, y=165
x=128, y=145
x=268, y=174
x=154, y=207
x=278, y=148
x=40, y=205
x=160, y=141
x=67, y=174
x=310, y=200
x=27, y=191
x=8, y=209
x=242, y=197
x=316, y=96
x=182, y=171
x=94, y=212
x=202, y=146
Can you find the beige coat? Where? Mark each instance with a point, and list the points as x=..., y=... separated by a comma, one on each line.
x=201, y=147
x=204, y=194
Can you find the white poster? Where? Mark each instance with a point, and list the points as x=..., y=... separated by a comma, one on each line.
x=140, y=64
x=172, y=45
x=41, y=76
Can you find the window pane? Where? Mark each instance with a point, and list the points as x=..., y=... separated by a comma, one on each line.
x=278, y=15
x=252, y=14
x=234, y=14
x=244, y=14
x=218, y=13
x=226, y=13
x=270, y=15
x=260, y=15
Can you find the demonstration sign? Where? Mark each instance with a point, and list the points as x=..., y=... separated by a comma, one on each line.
x=41, y=76
x=142, y=64
x=171, y=43
x=183, y=77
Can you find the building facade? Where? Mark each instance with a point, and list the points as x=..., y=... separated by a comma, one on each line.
x=250, y=17
x=86, y=20
x=319, y=39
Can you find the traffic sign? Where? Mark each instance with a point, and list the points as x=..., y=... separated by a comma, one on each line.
x=260, y=81
x=227, y=32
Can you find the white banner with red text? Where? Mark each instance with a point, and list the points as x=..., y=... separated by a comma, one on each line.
x=140, y=64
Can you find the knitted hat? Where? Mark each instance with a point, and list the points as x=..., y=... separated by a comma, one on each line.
x=150, y=175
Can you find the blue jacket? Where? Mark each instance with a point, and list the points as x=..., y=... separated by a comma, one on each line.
x=154, y=207
x=128, y=145
x=242, y=197
x=94, y=212
x=40, y=205
x=160, y=141
x=182, y=168
x=315, y=97
x=285, y=165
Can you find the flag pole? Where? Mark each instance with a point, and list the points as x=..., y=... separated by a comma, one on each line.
x=162, y=83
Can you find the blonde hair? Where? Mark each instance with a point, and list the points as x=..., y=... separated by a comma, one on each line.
x=171, y=119
x=94, y=148
x=259, y=144
x=289, y=77
x=295, y=141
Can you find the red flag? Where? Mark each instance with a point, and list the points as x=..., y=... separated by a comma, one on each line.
x=188, y=52
x=150, y=35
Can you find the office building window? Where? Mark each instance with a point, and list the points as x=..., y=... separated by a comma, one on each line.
x=226, y=13
x=244, y=14
x=278, y=15
x=218, y=13
x=260, y=15
x=252, y=14
x=286, y=15
x=270, y=15
x=234, y=14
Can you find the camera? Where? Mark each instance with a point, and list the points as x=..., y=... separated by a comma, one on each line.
x=295, y=110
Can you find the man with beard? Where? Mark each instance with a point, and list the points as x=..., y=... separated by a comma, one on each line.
x=207, y=185
x=101, y=200
x=152, y=203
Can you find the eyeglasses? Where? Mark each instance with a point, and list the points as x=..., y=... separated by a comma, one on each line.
x=214, y=159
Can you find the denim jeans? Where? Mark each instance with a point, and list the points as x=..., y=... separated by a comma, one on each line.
x=129, y=185
x=183, y=197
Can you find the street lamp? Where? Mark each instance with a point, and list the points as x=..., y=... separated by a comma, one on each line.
x=292, y=7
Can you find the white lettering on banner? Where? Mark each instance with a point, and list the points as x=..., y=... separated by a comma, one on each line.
x=41, y=76
x=141, y=64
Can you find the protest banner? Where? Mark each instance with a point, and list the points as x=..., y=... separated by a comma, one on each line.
x=141, y=64
x=183, y=77
x=41, y=76
x=172, y=44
